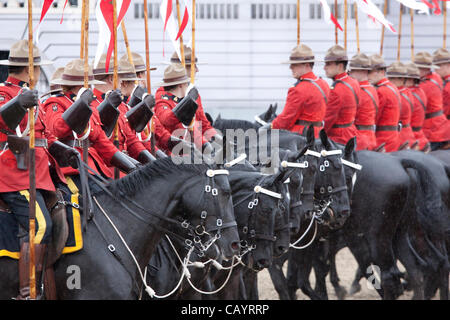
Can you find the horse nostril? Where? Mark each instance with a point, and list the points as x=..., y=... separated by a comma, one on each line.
x=263, y=263
x=235, y=246
x=282, y=249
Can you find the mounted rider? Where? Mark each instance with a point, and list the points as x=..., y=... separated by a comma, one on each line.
x=15, y=100
x=307, y=100
x=441, y=58
x=108, y=103
x=139, y=111
x=436, y=126
x=176, y=108
x=397, y=73
x=420, y=101
x=343, y=99
x=366, y=113
x=389, y=108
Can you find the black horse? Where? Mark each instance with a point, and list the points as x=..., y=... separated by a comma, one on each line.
x=136, y=210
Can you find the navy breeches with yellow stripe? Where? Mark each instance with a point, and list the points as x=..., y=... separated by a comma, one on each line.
x=19, y=204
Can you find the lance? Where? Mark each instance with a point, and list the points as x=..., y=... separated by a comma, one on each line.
x=85, y=56
x=345, y=23
x=83, y=21
x=335, y=27
x=399, y=31
x=147, y=73
x=357, y=28
x=115, y=80
x=191, y=127
x=382, y=28
x=183, y=58
x=125, y=39
x=444, y=8
x=298, y=22
x=32, y=159
x=411, y=13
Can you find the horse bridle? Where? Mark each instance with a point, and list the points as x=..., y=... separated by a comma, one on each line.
x=200, y=229
x=249, y=230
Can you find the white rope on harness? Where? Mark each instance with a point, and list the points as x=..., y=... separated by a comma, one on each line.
x=235, y=161
x=287, y=164
x=148, y=289
x=211, y=173
x=259, y=120
x=312, y=153
x=86, y=134
x=326, y=153
x=351, y=164
x=309, y=243
x=292, y=245
x=259, y=189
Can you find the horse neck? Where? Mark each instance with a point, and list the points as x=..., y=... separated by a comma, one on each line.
x=139, y=234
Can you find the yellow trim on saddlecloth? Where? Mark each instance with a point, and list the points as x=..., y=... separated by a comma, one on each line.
x=42, y=224
x=76, y=218
x=6, y=253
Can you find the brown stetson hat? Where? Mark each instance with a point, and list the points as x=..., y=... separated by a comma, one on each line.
x=187, y=57
x=300, y=54
x=100, y=69
x=18, y=55
x=377, y=62
x=138, y=61
x=55, y=87
x=174, y=74
x=441, y=55
x=73, y=74
x=412, y=70
x=359, y=61
x=424, y=60
x=336, y=53
x=396, y=70
x=128, y=73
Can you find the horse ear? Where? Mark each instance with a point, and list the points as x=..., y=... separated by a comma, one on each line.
x=218, y=117
x=274, y=108
x=210, y=119
x=324, y=138
x=302, y=152
x=350, y=147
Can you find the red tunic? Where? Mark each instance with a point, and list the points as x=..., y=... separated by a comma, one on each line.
x=12, y=178
x=446, y=96
x=366, y=117
x=436, y=126
x=388, y=115
x=341, y=109
x=306, y=103
x=418, y=115
x=165, y=102
x=101, y=149
x=162, y=136
x=407, y=108
x=206, y=128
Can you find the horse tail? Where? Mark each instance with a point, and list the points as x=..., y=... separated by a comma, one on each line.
x=427, y=199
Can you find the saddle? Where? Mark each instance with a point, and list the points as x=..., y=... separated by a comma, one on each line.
x=404, y=146
x=380, y=148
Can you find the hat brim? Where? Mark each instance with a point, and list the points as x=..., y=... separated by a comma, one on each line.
x=75, y=83
x=188, y=64
x=144, y=70
x=427, y=66
x=166, y=84
x=25, y=64
x=299, y=62
x=132, y=79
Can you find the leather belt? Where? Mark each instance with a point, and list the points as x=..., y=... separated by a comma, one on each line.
x=433, y=114
x=72, y=143
x=405, y=125
x=367, y=128
x=344, y=125
x=38, y=142
x=387, y=128
x=308, y=123
x=416, y=129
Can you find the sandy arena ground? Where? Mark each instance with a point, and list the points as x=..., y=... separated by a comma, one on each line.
x=346, y=268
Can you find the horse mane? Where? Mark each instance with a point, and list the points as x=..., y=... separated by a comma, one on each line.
x=144, y=176
x=223, y=124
